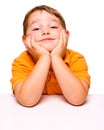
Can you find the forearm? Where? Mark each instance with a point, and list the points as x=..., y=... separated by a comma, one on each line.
x=72, y=88
x=31, y=89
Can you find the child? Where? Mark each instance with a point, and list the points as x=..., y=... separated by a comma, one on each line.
x=47, y=66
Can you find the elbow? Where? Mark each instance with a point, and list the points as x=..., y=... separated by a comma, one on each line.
x=76, y=100
x=27, y=102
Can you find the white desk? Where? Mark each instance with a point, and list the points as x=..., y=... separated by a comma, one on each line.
x=52, y=113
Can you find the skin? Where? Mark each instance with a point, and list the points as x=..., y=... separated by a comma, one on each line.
x=46, y=41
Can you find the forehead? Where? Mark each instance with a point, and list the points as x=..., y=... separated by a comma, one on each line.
x=41, y=16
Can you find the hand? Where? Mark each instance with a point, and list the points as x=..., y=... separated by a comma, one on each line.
x=61, y=46
x=34, y=49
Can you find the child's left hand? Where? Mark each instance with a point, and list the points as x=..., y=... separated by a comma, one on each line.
x=61, y=46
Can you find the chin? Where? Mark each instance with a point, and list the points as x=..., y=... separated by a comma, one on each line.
x=49, y=49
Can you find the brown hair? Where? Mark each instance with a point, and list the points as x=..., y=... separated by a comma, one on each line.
x=41, y=8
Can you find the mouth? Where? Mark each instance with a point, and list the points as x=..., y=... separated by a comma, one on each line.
x=46, y=39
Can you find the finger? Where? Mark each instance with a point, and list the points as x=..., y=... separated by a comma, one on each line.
x=34, y=45
x=27, y=44
x=61, y=39
x=65, y=38
x=32, y=41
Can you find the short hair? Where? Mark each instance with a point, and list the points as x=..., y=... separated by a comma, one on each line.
x=43, y=8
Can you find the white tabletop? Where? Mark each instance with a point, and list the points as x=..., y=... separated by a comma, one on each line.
x=52, y=113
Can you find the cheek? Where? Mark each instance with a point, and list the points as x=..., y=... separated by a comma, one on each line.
x=57, y=35
x=36, y=36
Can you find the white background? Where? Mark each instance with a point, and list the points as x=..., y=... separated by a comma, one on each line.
x=85, y=21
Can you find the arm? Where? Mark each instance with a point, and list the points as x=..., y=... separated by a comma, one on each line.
x=29, y=92
x=74, y=90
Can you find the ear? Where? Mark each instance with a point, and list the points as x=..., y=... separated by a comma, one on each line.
x=24, y=39
x=68, y=34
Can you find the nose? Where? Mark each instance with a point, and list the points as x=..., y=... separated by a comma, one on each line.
x=45, y=31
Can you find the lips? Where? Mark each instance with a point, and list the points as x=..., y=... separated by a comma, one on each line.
x=46, y=39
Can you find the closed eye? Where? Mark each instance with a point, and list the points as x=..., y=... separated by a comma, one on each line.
x=35, y=29
x=54, y=27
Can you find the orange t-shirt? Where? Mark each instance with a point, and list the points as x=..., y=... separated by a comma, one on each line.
x=23, y=65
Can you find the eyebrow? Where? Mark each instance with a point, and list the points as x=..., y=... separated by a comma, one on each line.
x=36, y=21
x=33, y=22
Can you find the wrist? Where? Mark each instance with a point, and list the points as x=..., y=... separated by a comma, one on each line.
x=46, y=56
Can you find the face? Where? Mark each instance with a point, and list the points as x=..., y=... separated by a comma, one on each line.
x=45, y=28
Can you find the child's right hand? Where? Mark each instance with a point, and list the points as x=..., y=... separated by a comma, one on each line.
x=34, y=48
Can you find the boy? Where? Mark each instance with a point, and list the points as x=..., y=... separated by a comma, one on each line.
x=47, y=66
